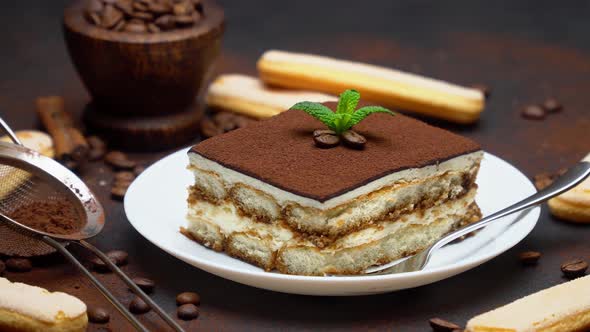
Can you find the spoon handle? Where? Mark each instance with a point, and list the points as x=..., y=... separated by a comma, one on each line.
x=571, y=178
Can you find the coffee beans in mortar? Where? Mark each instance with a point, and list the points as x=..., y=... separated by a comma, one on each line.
x=143, y=16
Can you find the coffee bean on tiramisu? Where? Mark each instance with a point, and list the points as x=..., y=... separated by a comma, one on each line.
x=441, y=325
x=325, y=139
x=353, y=139
x=533, y=112
x=483, y=88
x=574, y=268
x=147, y=285
x=552, y=105
x=138, y=306
x=2, y=267
x=124, y=176
x=119, y=257
x=98, y=315
x=119, y=160
x=529, y=257
x=17, y=264
x=188, y=297
x=187, y=311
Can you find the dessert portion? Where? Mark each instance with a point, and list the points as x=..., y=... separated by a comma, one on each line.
x=29, y=308
x=389, y=87
x=559, y=308
x=267, y=195
x=249, y=96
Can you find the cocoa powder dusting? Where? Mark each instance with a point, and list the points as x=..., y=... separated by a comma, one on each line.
x=55, y=217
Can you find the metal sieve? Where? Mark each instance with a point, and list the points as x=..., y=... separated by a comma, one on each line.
x=27, y=177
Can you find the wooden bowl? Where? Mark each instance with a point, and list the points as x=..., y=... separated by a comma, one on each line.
x=141, y=74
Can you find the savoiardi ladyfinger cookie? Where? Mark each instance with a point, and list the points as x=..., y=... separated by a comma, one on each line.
x=563, y=308
x=249, y=96
x=574, y=204
x=387, y=87
x=29, y=308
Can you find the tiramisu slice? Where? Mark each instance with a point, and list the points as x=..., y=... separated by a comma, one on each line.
x=267, y=195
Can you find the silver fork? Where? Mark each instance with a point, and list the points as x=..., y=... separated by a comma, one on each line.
x=417, y=262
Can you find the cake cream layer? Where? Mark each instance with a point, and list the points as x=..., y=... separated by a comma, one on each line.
x=562, y=308
x=222, y=227
x=381, y=199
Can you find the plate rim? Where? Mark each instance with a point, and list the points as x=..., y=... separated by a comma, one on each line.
x=449, y=268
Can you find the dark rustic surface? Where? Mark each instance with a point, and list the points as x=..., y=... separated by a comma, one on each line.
x=525, y=51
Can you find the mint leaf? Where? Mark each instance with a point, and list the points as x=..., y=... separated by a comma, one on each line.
x=363, y=112
x=318, y=111
x=348, y=101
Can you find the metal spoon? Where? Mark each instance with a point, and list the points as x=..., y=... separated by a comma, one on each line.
x=417, y=262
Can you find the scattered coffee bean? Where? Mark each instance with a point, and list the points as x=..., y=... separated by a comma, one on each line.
x=16, y=264
x=119, y=257
x=552, y=105
x=533, y=112
x=2, y=267
x=325, y=139
x=187, y=311
x=138, y=170
x=441, y=325
x=97, y=147
x=118, y=192
x=209, y=128
x=353, y=139
x=119, y=160
x=574, y=268
x=98, y=315
x=147, y=285
x=542, y=180
x=138, y=306
x=484, y=89
x=529, y=257
x=188, y=297
x=124, y=176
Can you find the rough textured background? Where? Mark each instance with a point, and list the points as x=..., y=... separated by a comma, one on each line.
x=525, y=50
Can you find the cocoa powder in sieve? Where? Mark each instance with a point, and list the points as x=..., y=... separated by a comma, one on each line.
x=55, y=217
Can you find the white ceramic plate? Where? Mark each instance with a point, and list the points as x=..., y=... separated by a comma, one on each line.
x=156, y=206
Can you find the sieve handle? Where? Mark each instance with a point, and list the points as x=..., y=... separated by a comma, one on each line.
x=9, y=132
x=131, y=285
x=59, y=247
